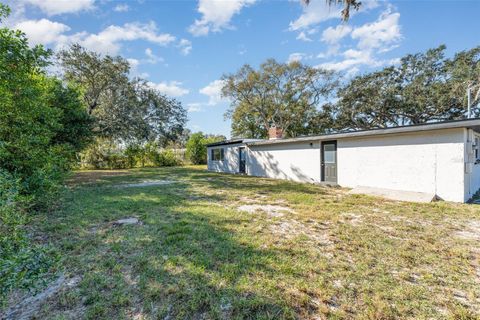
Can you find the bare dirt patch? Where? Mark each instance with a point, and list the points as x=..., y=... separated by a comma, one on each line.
x=271, y=210
x=352, y=218
x=30, y=305
x=471, y=231
x=289, y=229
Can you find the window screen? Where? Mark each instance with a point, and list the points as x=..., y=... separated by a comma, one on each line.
x=218, y=154
x=329, y=153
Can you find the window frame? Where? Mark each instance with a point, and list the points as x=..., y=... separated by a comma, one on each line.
x=217, y=154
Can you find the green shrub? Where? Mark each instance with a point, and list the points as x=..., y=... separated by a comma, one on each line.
x=134, y=155
x=196, y=149
x=23, y=265
x=108, y=155
x=104, y=154
x=167, y=158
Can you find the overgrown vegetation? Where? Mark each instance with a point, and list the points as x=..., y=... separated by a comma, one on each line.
x=45, y=122
x=217, y=246
x=105, y=154
x=42, y=126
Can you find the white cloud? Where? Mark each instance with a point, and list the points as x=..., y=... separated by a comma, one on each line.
x=372, y=39
x=42, y=31
x=194, y=107
x=353, y=59
x=303, y=37
x=296, y=56
x=109, y=40
x=214, y=91
x=152, y=58
x=121, y=7
x=185, y=46
x=171, y=88
x=216, y=15
x=333, y=35
x=54, y=7
x=384, y=31
x=134, y=63
x=316, y=12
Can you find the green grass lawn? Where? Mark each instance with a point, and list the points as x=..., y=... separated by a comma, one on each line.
x=313, y=253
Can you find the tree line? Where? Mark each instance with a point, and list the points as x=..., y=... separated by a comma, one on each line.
x=305, y=100
x=47, y=122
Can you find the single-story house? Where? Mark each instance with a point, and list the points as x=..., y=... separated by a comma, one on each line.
x=441, y=158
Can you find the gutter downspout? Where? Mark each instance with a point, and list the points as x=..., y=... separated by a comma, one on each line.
x=469, y=102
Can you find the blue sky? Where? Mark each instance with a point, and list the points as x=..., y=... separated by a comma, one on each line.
x=184, y=47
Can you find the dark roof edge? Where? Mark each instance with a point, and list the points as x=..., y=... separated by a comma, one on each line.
x=463, y=123
x=225, y=142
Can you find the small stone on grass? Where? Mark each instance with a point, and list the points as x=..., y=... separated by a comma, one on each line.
x=127, y=221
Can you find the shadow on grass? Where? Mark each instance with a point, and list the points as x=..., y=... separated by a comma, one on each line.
x=189, y=260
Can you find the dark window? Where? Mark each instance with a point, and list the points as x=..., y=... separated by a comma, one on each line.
x=477, y=147
x=218, y=154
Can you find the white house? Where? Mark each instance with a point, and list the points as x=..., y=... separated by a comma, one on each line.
x=440, y=159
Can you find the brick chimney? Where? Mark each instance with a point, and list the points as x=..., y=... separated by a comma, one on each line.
x=275, y=133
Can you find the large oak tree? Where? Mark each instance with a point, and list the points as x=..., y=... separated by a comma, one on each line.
x=424, y=87
x=124, y=109
x=286, y=95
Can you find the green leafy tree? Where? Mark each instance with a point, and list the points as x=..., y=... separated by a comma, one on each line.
x=123, y=109
x=196, y=149
x=284, y=95
x=197, y=146
x=464, y=73
x=38, y=116
x=421, y=88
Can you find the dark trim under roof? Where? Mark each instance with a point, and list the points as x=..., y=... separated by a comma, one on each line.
x=225, y=142
x=232, y=141
x=464, y=123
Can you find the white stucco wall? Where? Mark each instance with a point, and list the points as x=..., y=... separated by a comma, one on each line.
x=430, y=161
x=299, y=161
x=231, y=162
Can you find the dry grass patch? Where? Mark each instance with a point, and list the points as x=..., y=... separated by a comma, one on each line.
x=299, y=252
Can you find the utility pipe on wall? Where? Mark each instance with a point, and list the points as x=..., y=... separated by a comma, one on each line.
x=469, y=103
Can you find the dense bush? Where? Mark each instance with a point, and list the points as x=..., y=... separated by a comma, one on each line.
x=166, y=158
x=105, y=154
x=42, y=125
x=23, y=265
x=197, y=149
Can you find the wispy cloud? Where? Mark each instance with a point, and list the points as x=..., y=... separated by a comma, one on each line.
x=109, y=40
x=170, y=88
x=185, y=46
x=372, y=38
x=194, y=107
x=121, y=7
x=214, y=92
x=56, y=7
x=316, y=12
x=216, y=15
